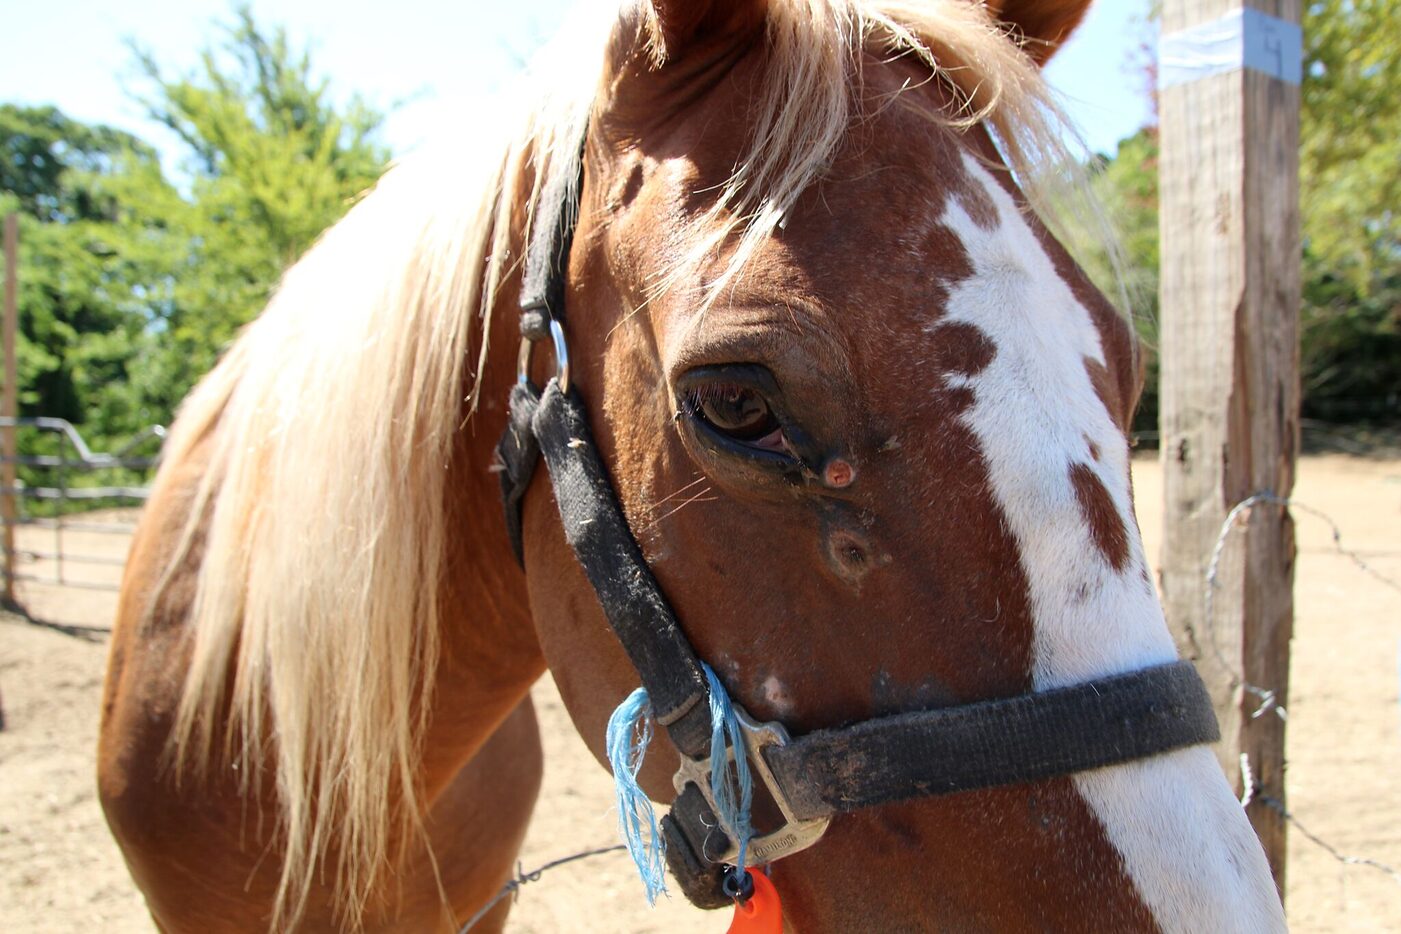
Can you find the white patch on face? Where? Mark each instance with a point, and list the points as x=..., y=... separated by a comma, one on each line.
x=1182, y=835
x=778, y=697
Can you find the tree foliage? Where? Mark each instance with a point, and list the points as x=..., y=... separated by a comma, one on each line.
x=132, y=284
x=1350, y=151
x=273, y=159
x=1127, y=185
x=89, y=271
x=1350, y=197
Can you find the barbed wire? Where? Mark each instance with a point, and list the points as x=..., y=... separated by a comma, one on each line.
x=1269, y=701
x=522, y=877
x=1277, y=806
x=1252, y=792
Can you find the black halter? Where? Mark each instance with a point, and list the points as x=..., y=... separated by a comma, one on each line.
x=812, y=777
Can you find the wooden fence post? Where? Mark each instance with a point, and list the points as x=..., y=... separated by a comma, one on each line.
x=9, y=402
x=1230, y=252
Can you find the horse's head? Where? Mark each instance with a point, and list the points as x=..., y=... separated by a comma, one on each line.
x=866, y=418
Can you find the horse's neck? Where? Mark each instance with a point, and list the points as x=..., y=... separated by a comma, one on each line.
x=489, y=654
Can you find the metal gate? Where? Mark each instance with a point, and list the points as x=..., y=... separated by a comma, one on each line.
x=71, y=529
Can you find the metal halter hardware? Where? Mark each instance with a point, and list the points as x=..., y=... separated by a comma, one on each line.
x=794, y=835
x=816, y=775
x=561, y=356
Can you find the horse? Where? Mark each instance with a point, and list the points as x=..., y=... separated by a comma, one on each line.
x=865, y=421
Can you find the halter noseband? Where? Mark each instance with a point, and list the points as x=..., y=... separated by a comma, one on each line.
x=812, y=777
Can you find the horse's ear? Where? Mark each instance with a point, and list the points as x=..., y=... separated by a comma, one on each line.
x=677, y=24
x=1042, y=25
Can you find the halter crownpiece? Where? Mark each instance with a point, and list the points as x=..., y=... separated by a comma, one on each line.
x=813, y=777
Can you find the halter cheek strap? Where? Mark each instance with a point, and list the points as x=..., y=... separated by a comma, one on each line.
x=813, y=777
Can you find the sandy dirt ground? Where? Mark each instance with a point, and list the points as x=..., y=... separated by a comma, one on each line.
x=60, y=871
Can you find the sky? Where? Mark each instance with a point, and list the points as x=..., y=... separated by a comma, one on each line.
x=432, y=54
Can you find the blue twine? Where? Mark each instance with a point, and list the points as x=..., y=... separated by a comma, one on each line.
x=629, y=732
x=734, y=814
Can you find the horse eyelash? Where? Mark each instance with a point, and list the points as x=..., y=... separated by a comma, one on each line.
x=716, y=390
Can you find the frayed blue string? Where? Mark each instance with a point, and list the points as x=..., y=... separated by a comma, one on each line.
x=734, y=814
x=629, y=732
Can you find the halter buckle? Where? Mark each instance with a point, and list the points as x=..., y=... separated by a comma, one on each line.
x=561, y=348
x=794, y=834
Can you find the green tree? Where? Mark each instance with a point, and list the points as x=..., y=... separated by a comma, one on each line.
x=273, y=161
x=89, y=268
x=1350, y=133
x=41, y=146
x=1126, y=185
x=1350, y=198
x=131, y=285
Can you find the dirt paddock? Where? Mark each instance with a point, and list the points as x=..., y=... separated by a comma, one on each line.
x=60, y=871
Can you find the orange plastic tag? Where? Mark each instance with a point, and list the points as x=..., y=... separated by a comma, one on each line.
x=763, y=913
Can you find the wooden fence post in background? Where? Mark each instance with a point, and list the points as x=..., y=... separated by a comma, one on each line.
x=9, y=403
x=1229, y=225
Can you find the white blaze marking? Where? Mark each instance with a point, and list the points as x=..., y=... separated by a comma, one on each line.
x=1181, y=833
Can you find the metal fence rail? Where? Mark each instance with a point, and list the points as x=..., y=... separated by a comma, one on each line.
x=69, y=496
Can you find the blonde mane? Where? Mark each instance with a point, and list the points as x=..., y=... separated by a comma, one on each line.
x=330, y=421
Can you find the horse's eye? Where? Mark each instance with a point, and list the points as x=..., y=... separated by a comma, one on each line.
x=737, y=412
